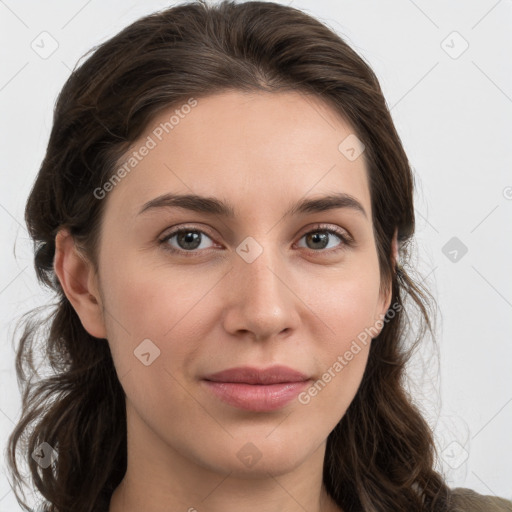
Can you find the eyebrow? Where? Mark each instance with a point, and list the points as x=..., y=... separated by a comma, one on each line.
x=214, y=206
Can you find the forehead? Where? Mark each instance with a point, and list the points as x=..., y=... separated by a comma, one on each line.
x=256, y=150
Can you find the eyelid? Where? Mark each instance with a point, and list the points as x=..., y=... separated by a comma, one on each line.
x=175, y=231
x=319, y=226
x=346, y=238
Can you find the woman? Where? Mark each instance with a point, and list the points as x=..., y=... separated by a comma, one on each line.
x=224, y=211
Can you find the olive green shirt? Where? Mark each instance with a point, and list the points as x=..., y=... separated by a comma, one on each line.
x=467, y=500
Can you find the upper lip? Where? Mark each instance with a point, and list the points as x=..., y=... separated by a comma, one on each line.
x=249, y=375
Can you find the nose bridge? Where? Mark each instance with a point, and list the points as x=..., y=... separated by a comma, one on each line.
x=259, y=276
x=261, y=301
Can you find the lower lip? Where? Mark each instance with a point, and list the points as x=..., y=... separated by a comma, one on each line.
x=256, y=397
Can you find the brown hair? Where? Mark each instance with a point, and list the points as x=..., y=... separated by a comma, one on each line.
x=380, y=456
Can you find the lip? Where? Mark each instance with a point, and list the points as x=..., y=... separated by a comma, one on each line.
x=257, y=390
x=249, y=375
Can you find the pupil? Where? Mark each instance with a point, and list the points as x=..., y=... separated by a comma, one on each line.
x=319, y=237
x=189, y=237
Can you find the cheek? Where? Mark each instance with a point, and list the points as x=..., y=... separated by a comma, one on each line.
x=349, y=308
x=150, y=298
x=144, y=302
x=349, y=302
x=349, y=312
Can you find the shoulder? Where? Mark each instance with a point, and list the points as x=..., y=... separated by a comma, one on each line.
x=467, y=500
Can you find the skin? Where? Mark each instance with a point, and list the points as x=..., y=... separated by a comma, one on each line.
x=295, y=304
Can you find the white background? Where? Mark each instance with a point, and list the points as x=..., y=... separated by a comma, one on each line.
x=454, y=116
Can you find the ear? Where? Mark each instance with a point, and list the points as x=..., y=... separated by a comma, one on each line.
x=386, y=300
x=394, y=250
x=79, y=282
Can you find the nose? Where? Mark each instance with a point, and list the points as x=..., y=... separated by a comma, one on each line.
x=260, y=298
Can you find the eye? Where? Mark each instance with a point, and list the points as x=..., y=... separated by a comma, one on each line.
x=192, y=241
x=321, y=237
x=186, y=239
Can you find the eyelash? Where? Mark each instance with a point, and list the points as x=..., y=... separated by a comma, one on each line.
x=346, y=240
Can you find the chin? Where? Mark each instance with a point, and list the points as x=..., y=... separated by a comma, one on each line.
x=275, y=465
x=257, y=456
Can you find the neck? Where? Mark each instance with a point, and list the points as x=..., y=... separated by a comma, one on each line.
x=159, y=479
x=229, y=495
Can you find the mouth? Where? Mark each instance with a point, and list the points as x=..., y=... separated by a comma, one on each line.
x=257, y=390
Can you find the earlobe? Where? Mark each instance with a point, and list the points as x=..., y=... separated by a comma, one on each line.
x=78, y=281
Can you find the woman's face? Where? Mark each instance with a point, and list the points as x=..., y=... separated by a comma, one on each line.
x=266, y=286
